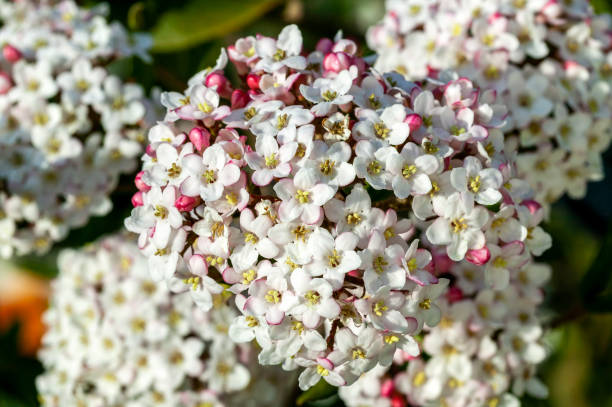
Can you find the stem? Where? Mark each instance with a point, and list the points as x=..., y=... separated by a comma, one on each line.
x=332, y=334
x=571, y=315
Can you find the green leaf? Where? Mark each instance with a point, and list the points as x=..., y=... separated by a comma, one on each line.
x=135, y=17
x=201, y=20
x=602, y=6
x=597, y=276
x=319, y=391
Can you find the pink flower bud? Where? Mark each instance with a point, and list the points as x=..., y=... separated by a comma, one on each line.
x=239, y=99
x=454, y=294
x=11, y=54
x=5, y=83
x=150, y=151
x=185, y=203
x=140, y=184
x=199, y=137
x=324, y=45
x=478, y=256
x=216, y=79
x=414, y=121
x=336, y=62
x=532, y=205
x=252, y=81
x=386, y=388
x=137, y=199
x=398, y=401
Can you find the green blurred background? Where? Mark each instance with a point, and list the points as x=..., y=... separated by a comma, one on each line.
x=188, y=36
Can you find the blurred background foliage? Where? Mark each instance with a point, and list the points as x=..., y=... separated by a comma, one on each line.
x=188, y=35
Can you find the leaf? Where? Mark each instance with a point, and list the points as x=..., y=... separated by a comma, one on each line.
x=597, y=276
x=319, y=391
x=602, y=6
x=202, y=20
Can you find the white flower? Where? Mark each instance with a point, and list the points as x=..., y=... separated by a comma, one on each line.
x=389, y=126
x=332, y=258
x=282, y=52
x=328, y=93
x=209, y=174
x=459, y=226
x=269, y=160
x=315, y=299
x=411, y=169
x=484, y=183
x=303, y=197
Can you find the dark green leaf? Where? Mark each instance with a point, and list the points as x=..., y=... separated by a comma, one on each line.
x=596, y=278
x=319, y=391
x=202, y=20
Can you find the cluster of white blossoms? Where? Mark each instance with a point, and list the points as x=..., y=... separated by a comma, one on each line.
x=68, y=127
x=317, y=190
x=116, y=338
x=484, y=352
x=550, y=63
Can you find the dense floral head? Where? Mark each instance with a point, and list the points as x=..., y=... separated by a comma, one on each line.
x=326, y=197
x=117, y=338
x=68, y=127
x=550, y=63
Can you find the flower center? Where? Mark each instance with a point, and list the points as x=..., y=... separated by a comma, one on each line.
x=302, y=196
x=334, y=259
x=374, y=168
x=381, y=130
x=456, y=130
x=193, y=281
x=379, y=264
x=301, y=233
x=249, y=113
x=358, y=353
x=174, y=171
x=430, y=148
x=374, y=102
x=409, y=170
x=329, y=95
x=389, y=233
x=379, y=308
x=419, y=379
x=161, y=212
x=205, y=107
x=248, y=276
x=322, y=371
x=251, y=321
x=279, y=55
x=273, y=296
x=474, y=184
x=458, y=225
x=312, y=297
x=353, y=218
x=525, y=100
x=327, y=167
x=425, y=304
x=500, y=262
x=217, y=229
x=282, y=121
x=250, y=238
x=391, y=339
x=271, y=161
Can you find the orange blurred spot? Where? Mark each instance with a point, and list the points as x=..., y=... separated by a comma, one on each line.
x=23, y=299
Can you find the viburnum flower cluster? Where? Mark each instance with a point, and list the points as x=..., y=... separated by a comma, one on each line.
x=68, y=127
x=301, y=191
x=550, y=63
x=484, y=352
x=116, y=338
